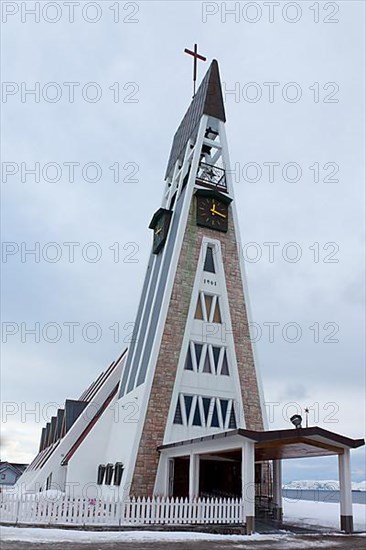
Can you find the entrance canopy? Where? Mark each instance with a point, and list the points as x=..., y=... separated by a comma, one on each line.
x=272, y=444
x=227, y=461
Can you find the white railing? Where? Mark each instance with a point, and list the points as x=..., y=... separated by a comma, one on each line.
x=40, y=510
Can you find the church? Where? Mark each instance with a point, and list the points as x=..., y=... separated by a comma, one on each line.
x=181, y=412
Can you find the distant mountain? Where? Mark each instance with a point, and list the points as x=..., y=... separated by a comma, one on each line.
x=323, y=485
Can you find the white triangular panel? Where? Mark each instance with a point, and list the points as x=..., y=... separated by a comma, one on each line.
x=207, y=382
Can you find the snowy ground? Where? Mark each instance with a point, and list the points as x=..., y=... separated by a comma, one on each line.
x=301, y=513
x=325, y=514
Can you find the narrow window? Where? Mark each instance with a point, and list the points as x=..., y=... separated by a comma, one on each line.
x=232, y=421
x=225, y=366
x=224, y=405
x=188, y=365
x=206, y=364
x=197, y=416
x=209, y=264
x=101, y=473
x=216, y=355
x=215, y=417
x=198, y=350
x=199, y=313
x=206, y=406
x=188, y=404
x=109, y=474
x=208, y=304
x=217, y=314
x=178, y=419
x=118, y=472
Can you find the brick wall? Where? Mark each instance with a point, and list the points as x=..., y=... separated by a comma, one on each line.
x=165, y=372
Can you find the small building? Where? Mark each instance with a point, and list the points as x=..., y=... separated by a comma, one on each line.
x=10, y=472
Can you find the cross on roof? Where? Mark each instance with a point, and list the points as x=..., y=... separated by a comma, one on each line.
x=196, y=56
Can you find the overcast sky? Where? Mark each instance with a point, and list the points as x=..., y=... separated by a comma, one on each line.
x=293, y=77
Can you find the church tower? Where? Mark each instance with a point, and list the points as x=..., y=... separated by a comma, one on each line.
x=189, y=371
x=190, y=367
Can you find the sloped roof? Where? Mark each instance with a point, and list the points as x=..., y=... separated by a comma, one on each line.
x=17, y=468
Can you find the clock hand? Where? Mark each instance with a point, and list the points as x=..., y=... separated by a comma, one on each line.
x=159, y=230
x=214, y=211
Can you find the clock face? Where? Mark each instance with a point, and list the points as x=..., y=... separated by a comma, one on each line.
x=160, y=225
x=159, y=234
x=213, y=213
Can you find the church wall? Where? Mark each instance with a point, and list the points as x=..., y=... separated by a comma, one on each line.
x=123, y=433
x=82, y=469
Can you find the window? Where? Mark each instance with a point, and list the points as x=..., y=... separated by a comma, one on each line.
x=206, y=402
x=215, y=417
x=188, y=365
x=209, y=264
x=224, y=366
x=101, y=473
x=188, y=404
x=217, y=315
x=208, y=308
x=197, y=415
x=207, y=363
x=118, y=472
x=224, y=403
x=49, y=482
x=207, y=358
x=198, y=350
x=199, y=312
x=216, y=356
x=232, y=421
x=205, y=411
x=178, y=419
x=109, y=474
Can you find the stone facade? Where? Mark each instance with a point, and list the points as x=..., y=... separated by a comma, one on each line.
x=172, y=339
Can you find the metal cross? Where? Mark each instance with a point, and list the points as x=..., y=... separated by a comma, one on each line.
x=196, y=56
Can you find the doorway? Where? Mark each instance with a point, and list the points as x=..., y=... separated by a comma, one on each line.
x=220, y=476
x=179, y=476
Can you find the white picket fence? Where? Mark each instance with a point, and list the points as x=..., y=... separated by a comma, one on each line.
x=35, y=509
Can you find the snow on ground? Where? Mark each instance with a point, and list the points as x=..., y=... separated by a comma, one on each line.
x=330, y=484
x=60, y=535
x=301, y=513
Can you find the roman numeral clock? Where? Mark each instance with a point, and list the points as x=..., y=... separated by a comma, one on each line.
x=212, y=209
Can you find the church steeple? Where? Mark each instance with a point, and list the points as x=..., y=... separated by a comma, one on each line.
x=207, y=101
x=190, y=366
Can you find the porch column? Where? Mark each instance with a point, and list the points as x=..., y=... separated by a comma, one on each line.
x=277, y=490
x=193, y=475
x=248, y=485
x=344, y=469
